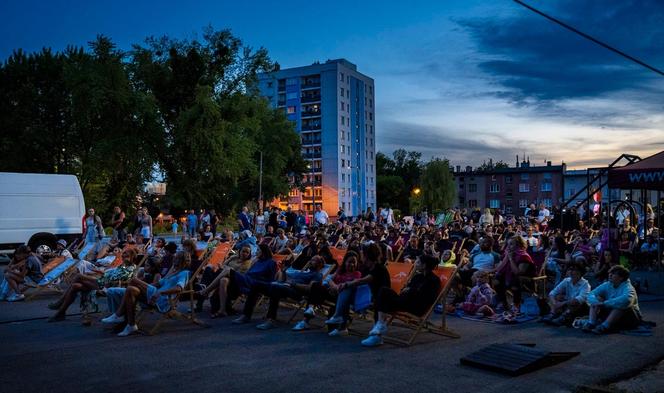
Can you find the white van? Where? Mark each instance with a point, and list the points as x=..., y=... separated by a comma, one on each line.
x=39, y=209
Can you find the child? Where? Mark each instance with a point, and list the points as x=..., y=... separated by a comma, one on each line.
x=480, y=299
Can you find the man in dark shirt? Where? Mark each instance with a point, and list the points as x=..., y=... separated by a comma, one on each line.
x=291, y=217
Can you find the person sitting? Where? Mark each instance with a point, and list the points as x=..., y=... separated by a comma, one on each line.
x=280, y=242
x=374, y=274
x=568, y=299
x=290, y=283
x=24, y=264
x=84, y=283
x=614, y=304
x=416, y=297
x=151, y=271
x=158, y=295
x=216, y=281
x=261, y=274
x=648, y=251
x=485, y=260
x=247, y=239
x=329, y=289
x=603, y=265
x=481, y=296
x=412, y=250
x=449, y=258
x=515, y=266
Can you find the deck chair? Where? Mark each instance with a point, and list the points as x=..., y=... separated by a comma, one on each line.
x=87, y=249
x=399, y=274
x=338, y=254
x=538, y=283
x=325, y=271
x=419, y=323
x=57, y=272
x=188, y=293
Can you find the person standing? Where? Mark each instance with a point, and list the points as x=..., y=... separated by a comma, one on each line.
x=214, y=221
x=146, y=225
x=291, y=217
x=243, y=220
x=321, y=217
x=341, y=215
x=92, y=227
x=192, y=223
x=118, y=223
x=273, y=220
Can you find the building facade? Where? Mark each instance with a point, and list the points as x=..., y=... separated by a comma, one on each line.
x=511, y=189
x=332, y=107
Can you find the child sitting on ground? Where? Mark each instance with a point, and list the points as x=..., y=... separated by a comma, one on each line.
x=481, y=297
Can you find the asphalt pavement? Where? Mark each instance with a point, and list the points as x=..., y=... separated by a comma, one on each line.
x=68, y=357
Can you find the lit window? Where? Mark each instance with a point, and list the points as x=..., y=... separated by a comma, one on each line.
x=290, y=110
x=524, y=187
x=495, y=187
x=494, y=203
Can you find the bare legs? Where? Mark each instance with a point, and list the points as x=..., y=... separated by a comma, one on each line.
x=81, y=283
x=135, y=290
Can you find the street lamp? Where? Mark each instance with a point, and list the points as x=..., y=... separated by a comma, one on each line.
x=416, y=191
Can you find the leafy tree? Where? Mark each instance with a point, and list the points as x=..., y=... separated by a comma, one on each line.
x=437, y=185
x=403, y=165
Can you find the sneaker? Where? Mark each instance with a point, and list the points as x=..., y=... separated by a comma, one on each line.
x=302, y=325
x=560, y=321
x=54, y=305
x=378, y=329
x=242, y=319
x=600, y=329
x=56, y=318
x=267, y=325
x=338, y=333
x=372, y=341
x=17, y=297
x=309, y=312
x=334, y=321
x=128, y=331
x=588, y=327
x=113, y=318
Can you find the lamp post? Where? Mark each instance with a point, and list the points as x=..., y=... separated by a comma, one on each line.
x=260, y=185
x=313, y=196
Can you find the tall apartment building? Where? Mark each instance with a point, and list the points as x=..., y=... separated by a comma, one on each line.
x=332, y=106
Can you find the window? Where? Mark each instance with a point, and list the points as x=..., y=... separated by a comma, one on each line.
x=347, y=94
x=494, y=203
x=343, y=192
x=524, y=176
x=571, y=192
x=291, y=96
x=290, y=110
x=342, y=91
x=343, y=162
x=548, y=175
x=343, y=106
x=269, y=84
x=291, y=81
x=495, y=187
x=546, y=202
x=523, y=203
x=370, y=103
x=343, y=177
x=546, y=187
x=472, y=203
x=524, y=187
x=461, y=186
x=343, y=121
x=370, y=116
x=508, y=179
x=471, y=187
x=343, y=136
x=508, y=210
x=341, y=76
x=343, y=149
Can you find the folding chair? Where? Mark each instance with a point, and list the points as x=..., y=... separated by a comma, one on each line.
x=56, y=272
x=187, y=291
x=338, y=254
x=418, y=323
x=399, y=274
x=87, y=248
x=539, y=281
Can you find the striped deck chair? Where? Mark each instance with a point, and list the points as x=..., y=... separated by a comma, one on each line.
x=52, y=277
x=87, y=249
x=187, y=293
x=399, y=274
x=418, y=323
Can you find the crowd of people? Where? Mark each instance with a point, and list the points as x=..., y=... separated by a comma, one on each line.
x=328, y=265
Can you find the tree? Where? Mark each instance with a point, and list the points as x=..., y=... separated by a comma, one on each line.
x=405, y=166
x=486, y=167
x=215, y=78
x=437, y=185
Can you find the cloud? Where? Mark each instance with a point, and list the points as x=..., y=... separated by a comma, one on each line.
x=530, y=57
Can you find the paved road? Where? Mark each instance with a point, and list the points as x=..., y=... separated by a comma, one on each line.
x=67, y=357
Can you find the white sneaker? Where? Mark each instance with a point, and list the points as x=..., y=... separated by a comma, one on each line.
x=378, y=329
x=338, y=333
x=309, y=312
x=113, y=318
x=302, y=325
x=334, y=321
x=128, y=330
x=17, y=297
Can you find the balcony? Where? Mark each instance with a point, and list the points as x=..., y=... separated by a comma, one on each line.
x=311, y=141
x=313, y=98
x=310, y=156
x=310, y=113
x=310, y=84
x=310, y=127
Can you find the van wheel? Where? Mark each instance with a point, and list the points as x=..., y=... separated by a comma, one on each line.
x=42, y=239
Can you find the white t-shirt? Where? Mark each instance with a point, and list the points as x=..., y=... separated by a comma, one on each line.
x=321, y=217
x=543, y=214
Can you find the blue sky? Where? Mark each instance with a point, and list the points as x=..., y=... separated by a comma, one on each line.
x=466, y=80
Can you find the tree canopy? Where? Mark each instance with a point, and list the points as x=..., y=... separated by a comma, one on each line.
x=183, y=111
